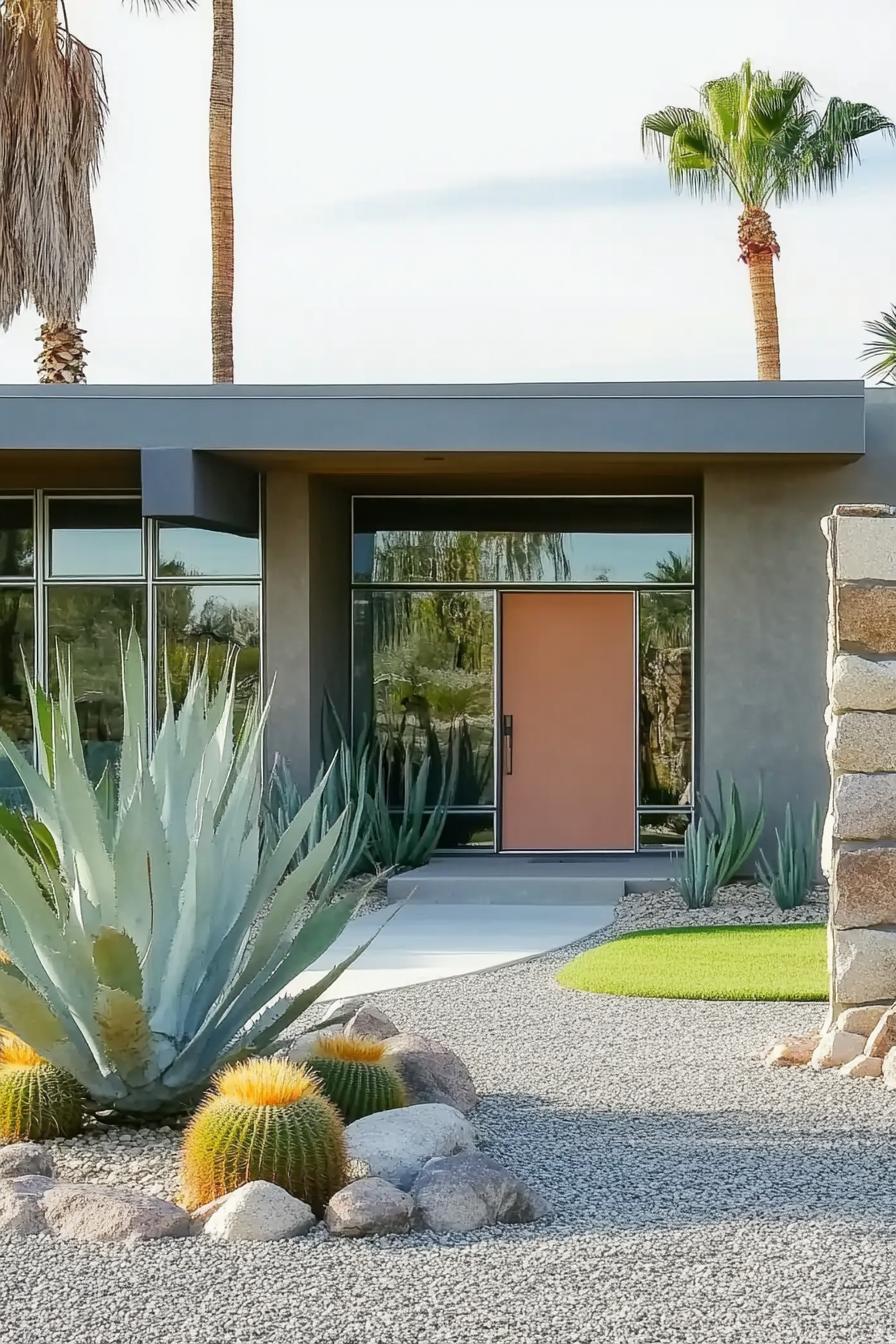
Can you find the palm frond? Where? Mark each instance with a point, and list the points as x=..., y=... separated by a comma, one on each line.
x=158, y=6
x=883, y=350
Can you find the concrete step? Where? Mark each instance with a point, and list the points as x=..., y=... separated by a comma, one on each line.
x=498, y=879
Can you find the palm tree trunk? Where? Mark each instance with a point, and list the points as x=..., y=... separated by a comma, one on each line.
x=63, y=355
x=758, y=248
x=221, y=184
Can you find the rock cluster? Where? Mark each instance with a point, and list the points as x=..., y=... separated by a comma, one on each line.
x=412, y=1168
x=859, y=1043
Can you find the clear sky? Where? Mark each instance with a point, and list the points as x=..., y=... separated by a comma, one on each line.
x=433, y=191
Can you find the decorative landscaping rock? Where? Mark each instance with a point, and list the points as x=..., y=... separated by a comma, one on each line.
x=882, y=1039
x=459, y=1194
x=20, y=1205
x=866, y=547
x=791, y=1051
x=863, y=1066
x=864, y=806
x=864, y=888
x=863, y=741
x=837, y=1048
x=888, y=1069
x=25, y=1159
x=396, y=1145
x=864, y=965
x=862, y=683
x=369, y=1208
x=108, y=1213
x=433, y=1073
x=866, y=617
x=372, y=1022
x=861, y=1020
x=258, y=1211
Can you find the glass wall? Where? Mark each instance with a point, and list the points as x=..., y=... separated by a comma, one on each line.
x=77, y=570
x=425, y=606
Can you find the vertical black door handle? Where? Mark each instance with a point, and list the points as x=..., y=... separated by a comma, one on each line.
x=507, y=737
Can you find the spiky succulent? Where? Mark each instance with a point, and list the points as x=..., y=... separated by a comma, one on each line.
x=37, y=1100
x=149, y=941
x=264, y=1120
x=356, y=1075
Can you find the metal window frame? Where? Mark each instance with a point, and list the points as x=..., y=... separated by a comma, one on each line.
x=497, y=589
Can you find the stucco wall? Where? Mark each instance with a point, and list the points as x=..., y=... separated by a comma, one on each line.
x=763, y=619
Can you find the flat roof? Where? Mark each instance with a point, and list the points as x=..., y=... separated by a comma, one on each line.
x=727, y=419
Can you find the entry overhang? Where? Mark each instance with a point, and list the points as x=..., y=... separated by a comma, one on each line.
x=694, y=420
x=192, y=488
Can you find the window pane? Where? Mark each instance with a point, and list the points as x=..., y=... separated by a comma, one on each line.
x=95, y=538
x=466, y=830
x=544, y=540
x=16, y=537
x=209, y=617
x=665, y=698
x=87, y=623
x=424, y=667
x=656, y=829
x=185, y=551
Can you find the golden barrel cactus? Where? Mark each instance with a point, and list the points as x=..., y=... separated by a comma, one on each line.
x=357, y=1075
x=37, y=1100
x=264, y=1120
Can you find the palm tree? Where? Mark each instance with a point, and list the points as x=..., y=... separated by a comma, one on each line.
x=52, y=117
x=760, y=140
x=221, y=186
x=883, y=350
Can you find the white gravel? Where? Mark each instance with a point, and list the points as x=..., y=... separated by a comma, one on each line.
x=698, y=1198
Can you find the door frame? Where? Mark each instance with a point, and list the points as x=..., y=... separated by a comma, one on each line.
x=499, y=703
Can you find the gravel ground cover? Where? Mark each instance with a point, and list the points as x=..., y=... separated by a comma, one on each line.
x=697, y=1197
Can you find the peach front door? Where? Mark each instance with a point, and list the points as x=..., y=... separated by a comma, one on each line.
x=568, y=710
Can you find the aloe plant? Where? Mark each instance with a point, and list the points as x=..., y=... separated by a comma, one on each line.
x=792, y=877
x=407, y=838
x=162, y=943
x=737, y=830
x=697, y=873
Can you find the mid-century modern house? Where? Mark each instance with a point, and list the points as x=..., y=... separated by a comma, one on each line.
x=595, y=595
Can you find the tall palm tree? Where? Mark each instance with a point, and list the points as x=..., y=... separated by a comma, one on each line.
x=52, y=117
x=220, y=162
x=760, y=140
x=882, y=351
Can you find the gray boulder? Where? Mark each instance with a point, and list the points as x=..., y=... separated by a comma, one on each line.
x=396, y=1145
x=459, y=1194
x=20, y=1206
x=257, y=1211
x=432, y=1073
x=371, y=1022
x=369, y=1208
x=109, y=1213
x=25, y=1159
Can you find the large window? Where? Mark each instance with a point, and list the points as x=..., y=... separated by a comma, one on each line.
x=76, y=571
x=427, y=578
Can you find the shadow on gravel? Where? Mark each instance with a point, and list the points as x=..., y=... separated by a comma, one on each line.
x=626, y=1170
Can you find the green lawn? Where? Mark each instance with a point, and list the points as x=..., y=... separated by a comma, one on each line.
x=726, y=962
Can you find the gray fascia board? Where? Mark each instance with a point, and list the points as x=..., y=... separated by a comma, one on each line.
x=681, y=419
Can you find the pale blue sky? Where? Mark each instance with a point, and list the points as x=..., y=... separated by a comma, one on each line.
x=434, y=192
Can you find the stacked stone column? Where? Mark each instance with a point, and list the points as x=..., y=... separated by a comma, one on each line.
x=860, y=835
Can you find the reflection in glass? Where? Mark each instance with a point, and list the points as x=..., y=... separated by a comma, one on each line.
x=665, y=699
x=16, y=538
x=662, y=828
x=423, y=669
x=86, y=624
x=208, y=617
x=16, y=653
x=467, y=830
x=187, y=551
x=95, y=538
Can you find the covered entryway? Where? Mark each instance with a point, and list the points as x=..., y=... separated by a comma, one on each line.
x=568, y=721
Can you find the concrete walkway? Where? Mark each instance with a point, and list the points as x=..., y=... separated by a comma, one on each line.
x=425, y=942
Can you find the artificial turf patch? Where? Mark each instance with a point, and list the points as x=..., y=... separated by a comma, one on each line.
x=723, y=962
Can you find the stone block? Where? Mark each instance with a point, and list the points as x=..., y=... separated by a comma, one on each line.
x=883, y=1038
x=888, y=1069
x=862, y=683
x=864, y=807
x=862, y=1020
x=864, y=966
x=863, y=1066
x=864, y=510
x=866, y=617
x=863, y=891
x=866, y=547
x=862, y=740
x=836, y=1048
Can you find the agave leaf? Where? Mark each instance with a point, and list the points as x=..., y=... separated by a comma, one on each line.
x=124, y=1032
x=27, y=1014
x=134, y=737
x=145, y=905
x=85, y=859
x=116, y=961
x=37, y=788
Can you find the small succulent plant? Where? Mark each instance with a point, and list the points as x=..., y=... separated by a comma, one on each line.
x=356, y=1075
x=264, y=1120
x=37, y=1100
